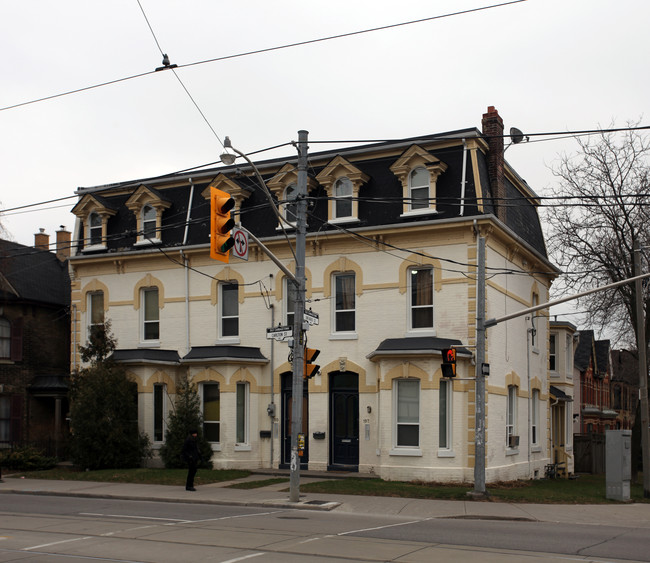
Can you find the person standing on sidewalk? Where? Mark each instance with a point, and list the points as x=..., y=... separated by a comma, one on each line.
x=191, y=455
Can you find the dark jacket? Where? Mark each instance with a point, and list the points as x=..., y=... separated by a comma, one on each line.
x=190, y=453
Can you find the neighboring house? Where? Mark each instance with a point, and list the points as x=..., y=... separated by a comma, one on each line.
x=561, y=391
x=625, y=387
x=391, y=271
x=34, y=342
x=592, y=358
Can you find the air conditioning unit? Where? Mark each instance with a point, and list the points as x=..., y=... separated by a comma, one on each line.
x=513, y=441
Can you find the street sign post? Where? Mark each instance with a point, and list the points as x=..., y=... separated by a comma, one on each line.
x=311, y=318
x=281, y=333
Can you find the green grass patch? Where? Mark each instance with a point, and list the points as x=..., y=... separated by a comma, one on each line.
x=258, y=484
x=586, y=489
x=172, y=477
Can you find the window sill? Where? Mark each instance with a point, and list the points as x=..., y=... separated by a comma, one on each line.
x=414, y=332
x=149, y=344
x=243, y=447
x=419, y=212
x=148, y=242
x=554, y=374
x=7, y=362
x=535, y=449
x=406, y=452
x=94, y=248
x=512, y=451
x=343, y=220
x=229, y=340
x=446, y=453
x=216, y=446
x=535, y=350
x=344, y=336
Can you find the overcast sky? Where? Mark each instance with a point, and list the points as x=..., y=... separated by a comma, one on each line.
x=546, y=65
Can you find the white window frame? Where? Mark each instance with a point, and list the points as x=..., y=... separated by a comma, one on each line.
x=533, y=333
x=290, y=208
x=445, y=410
x=286, y=309
x=95, y=241
x=346, y=198
x=90, y=308
x=159, y=415
x=511, y=414
x=145, y=320
x=146, y=223
x=553, y=342
x=234, y=294
x=215, y=445
x=242, y=416
x=419, y=206
x=534, y=419
x=336, y=311
x=5, y=418
x=568, y=358
x=412, y=272
x=406, y=449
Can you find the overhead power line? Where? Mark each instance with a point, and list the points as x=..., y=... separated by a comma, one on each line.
x=264, y=50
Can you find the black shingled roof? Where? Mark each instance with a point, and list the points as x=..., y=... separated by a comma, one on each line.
x=32, y=274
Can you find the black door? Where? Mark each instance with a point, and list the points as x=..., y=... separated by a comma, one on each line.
x=344, y=421
x=287, y=409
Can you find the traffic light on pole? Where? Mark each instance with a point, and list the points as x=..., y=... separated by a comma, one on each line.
x=449, y=362
x=309, y=368
x=221, y=224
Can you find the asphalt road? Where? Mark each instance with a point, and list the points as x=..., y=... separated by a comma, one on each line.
x=41, y=529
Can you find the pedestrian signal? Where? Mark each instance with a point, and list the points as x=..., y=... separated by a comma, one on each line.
x=449, y=362
x=309, y=368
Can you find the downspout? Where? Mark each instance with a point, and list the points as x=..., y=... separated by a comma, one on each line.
x=74, y=338
x=187, y=270
x=463, y=179
x=530, y=430
x=272, y=384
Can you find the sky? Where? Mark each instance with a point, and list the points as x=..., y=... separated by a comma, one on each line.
x=546, y=65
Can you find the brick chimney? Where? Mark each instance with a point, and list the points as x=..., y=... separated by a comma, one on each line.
x=63, y=243
x=42, y=240
x=493, y=131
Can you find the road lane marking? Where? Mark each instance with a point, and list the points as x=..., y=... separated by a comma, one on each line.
x=135, y=517
x=244, y=557
x=56, y=543
x=382, y=527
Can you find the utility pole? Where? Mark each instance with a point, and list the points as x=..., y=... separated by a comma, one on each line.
x=479, y=399
x=298, y=319
x=643, y=372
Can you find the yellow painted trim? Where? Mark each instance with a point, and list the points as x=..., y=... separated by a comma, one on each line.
x=148, y=281
x=94, y=286
x=342, y=265
x=225, y=275
x=416, y=260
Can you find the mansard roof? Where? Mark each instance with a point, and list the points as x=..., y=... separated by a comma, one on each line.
x=380, y=194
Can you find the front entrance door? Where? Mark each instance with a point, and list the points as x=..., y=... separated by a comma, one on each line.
x=287, y=410
x=344, y=421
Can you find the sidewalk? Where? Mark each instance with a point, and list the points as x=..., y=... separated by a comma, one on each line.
x=277, y=496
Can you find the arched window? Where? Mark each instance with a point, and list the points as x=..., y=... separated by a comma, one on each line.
x=94, y=229
x=290, y=196
x=149, y=227
x=421, y=298
x=343, y=195
x=419, y=184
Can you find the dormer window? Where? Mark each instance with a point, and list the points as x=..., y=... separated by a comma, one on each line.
x=149, y=222
x=343, y=201
x=148, y=206
x=419, y=189
x=284, y=187
x=418, y=171
x=342, y=180
x=94, y=229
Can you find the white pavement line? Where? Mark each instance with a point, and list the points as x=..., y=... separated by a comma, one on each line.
x=55, y=543
x=127, y=530
x=383, y=527
x=230, y=517
x=244, y=557
x=135, y=517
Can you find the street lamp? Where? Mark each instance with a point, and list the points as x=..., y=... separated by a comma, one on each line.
x=300, y=283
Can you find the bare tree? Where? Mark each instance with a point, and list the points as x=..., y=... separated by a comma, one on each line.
x=602, y=208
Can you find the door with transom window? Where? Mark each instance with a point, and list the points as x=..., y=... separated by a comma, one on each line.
x=344, y=421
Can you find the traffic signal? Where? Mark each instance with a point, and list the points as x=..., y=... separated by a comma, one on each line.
x=449, y=362
x=221, y=224
x=309, y=368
